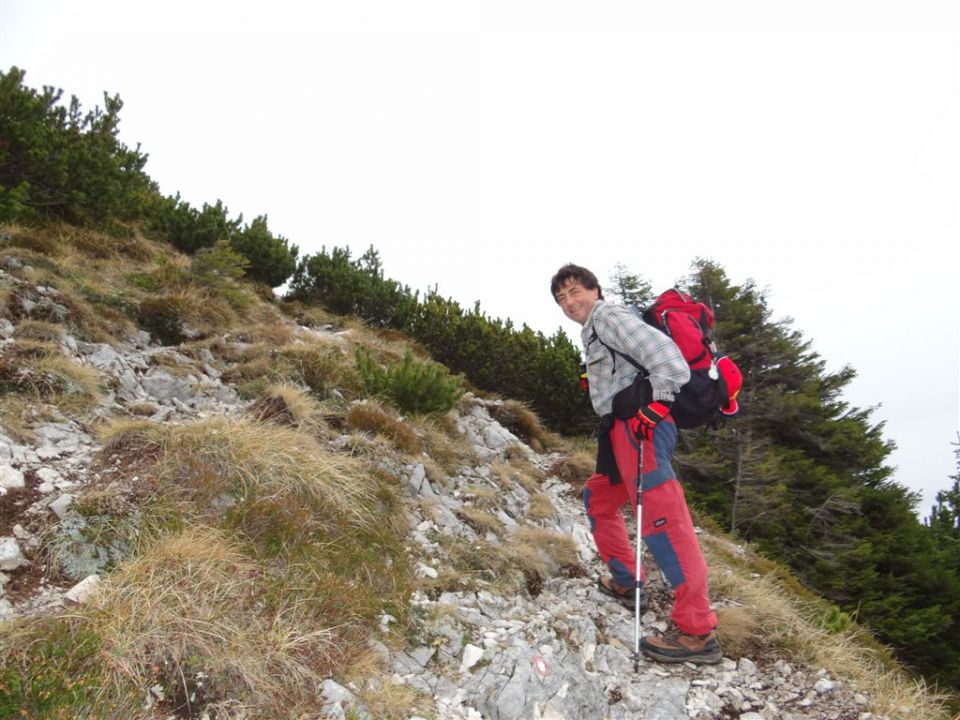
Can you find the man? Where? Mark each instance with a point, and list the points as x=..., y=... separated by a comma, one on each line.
x=611, y=331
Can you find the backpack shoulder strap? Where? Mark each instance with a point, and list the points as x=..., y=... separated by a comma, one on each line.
x=615, y=353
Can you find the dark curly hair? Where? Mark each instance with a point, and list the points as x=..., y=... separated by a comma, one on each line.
x=574, y=272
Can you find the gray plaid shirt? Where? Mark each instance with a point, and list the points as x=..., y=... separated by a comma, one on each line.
x=624, y=331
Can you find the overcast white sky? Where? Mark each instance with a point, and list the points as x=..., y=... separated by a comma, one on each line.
x=813, y=147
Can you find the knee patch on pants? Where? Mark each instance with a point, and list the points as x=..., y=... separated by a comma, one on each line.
x=666, y=556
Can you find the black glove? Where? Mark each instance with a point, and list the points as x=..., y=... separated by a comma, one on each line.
x=647, y=418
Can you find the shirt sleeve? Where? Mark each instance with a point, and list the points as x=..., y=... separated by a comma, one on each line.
x=628, y=334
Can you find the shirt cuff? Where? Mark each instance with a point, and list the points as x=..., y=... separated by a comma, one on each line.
x=662, y=394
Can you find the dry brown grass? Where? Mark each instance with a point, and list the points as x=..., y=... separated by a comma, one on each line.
x=308, y=315
x=257, y=367
x=366, y=669
x=541, y=507
x=135, y=435
x=574, y=469
x=244, y=353
x=129, y=243
x=39, y=372
x=443, y=443
x=739, y=631
x=191, y=614
x=323, y=368
x=39, y=330
x=559, y=547
x=483, y=495
x=768, y=618
x=143, y=409
x=188, y=604
x=189, y=311
x=174, y=363
x=372, y=417
x=95, y=315
x=386, y=700
x=523, y=561
x=385, y=345
x=286, y=404
x=267, y=468
x=93, y=287
x=573, y=444
x=107, y=280
x=266, y=325
x=525, y=558
x=435, y=474
x=518, y=470
x=482, y=521
x=44, y=241
x=523, y=422
x=476, y=564
x=17, y=414
x=65, y=383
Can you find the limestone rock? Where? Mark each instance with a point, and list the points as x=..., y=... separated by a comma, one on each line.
x=11, y=557
x=82, y=590
x=10, y=477
x=61, y=505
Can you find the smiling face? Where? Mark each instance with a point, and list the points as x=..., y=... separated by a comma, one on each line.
x=576, y=301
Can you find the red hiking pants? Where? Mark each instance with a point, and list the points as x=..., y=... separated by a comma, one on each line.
x=667, y=527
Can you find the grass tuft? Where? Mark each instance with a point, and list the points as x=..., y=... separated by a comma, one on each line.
x=443, y=443
x=322, y=368
x=574, y=469
x=39, y=240
x=523, y=422
x=39, y=330
x=126, y=243
x=285, y=404
x=267, y=469
x=541, y=507
x=183, y=615
x=518, y=470
x=38, y=371
x=373, y=417
x=481, y=520
x=559, y=547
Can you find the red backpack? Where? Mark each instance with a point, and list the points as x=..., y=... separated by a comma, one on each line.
x=688, y=324
x=715, y=380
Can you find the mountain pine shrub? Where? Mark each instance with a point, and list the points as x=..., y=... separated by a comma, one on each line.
x=271, y=258
x=354, y=287
x=58, y=162
x=415, y=386
x=189, y=229
x=220, y=261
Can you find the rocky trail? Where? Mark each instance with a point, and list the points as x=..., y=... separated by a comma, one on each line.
x=562, y=650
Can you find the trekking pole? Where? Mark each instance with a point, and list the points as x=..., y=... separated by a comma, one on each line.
x=637, y=584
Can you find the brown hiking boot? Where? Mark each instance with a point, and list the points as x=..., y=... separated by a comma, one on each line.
x=678, y=647
x=625, y=596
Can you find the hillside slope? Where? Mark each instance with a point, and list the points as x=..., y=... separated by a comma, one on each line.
x=205, y=514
